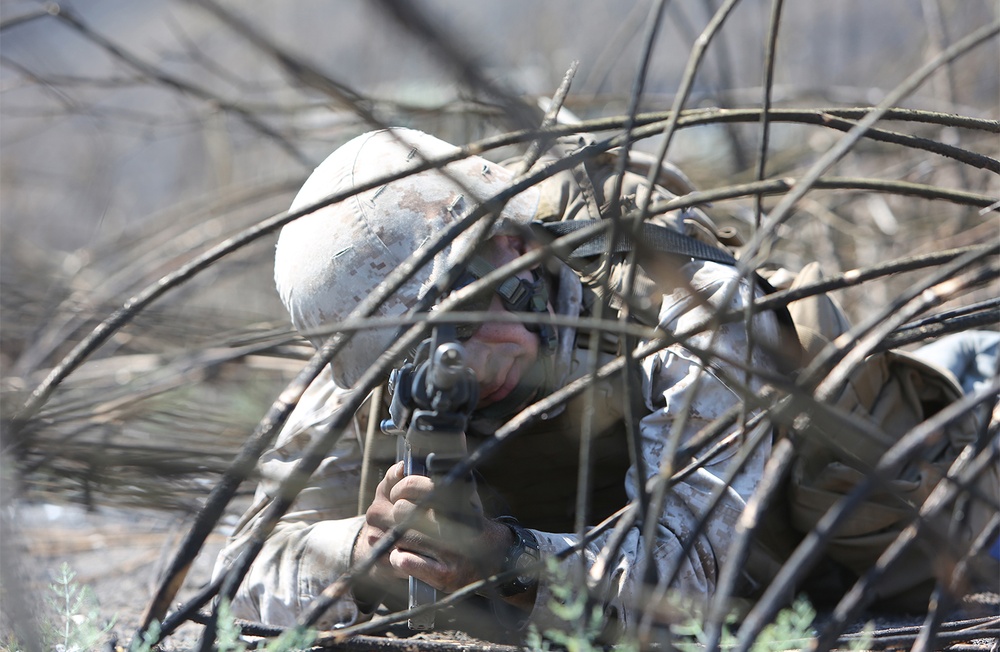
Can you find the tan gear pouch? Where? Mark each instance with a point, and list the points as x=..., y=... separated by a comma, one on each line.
x=894, y=392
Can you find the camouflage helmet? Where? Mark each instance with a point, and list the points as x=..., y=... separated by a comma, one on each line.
x=330, y=260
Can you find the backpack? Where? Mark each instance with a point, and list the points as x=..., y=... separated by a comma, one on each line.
x=890, y=393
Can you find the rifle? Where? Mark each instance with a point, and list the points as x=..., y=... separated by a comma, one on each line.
x=432, y=399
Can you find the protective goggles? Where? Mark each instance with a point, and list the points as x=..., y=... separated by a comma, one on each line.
x=516, y=295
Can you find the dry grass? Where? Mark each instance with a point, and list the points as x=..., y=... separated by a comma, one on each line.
x=148, y=405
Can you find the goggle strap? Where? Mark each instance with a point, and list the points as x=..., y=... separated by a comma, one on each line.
x=516, y=293
x=478, y=267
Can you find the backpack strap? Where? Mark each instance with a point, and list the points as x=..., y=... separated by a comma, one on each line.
x=654, y=236
x=668, y=241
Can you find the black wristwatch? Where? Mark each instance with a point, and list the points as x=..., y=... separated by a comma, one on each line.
x=520, y=557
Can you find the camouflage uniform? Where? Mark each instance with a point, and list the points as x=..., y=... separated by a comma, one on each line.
x=535, y=477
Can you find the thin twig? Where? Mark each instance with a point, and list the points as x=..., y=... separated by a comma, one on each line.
x=410, y=17
x=294, y=67
x=538, y=146
x=186, y=87
x=687, y=81
x=772, y=483
x=782, y=211
x=631, y=382
x=966, y=467
x=815, y=541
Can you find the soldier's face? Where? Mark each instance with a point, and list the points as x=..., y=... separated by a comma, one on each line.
x=500, y=353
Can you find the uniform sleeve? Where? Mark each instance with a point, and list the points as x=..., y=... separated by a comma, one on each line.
x=311, y=546
x=671, y=378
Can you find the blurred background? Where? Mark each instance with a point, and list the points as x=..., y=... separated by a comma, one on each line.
x=136, y=135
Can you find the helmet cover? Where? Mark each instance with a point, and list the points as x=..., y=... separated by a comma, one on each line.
x=330, y=260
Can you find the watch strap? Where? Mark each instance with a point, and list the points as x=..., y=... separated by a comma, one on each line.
x=523, y=551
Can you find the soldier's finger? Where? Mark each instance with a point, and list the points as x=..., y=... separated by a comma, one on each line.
x=422, y=567
x=412, y=488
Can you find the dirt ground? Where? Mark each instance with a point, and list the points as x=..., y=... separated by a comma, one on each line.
x=119, y=554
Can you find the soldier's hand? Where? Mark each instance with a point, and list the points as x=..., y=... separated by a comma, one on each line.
x=378, y=522
x=435, y=550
